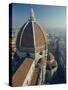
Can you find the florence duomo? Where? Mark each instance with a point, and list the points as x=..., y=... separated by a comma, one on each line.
x=36, y=54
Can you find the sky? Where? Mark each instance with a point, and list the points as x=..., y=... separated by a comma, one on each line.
x=49, y=17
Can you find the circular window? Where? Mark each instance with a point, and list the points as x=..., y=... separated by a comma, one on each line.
x=41, y=53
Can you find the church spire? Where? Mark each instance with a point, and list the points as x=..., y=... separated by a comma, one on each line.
x=32, y=16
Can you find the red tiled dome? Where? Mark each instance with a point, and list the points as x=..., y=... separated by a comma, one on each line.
x=31, y=35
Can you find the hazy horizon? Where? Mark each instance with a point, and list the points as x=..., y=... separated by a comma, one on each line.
x=50, y=17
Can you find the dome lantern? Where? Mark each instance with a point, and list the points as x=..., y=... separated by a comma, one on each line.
x=32, y=15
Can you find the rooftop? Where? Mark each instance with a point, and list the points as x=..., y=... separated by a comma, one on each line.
x=35, y=76
x=20, y=75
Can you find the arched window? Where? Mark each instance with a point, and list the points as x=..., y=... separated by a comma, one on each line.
x=28, y=55
x=41, y=53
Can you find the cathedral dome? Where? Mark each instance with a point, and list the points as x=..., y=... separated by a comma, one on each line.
x=31, y=35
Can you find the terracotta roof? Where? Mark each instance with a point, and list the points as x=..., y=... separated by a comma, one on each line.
x=39, y=36
x=25, y=38
x=35, y=76
x=20, y=75
x=50, y=56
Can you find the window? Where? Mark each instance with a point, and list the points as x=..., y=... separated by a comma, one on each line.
x=28, y=55
x=41, y=53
